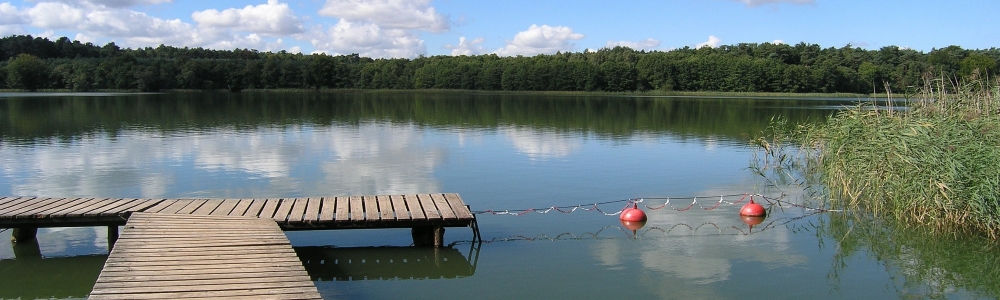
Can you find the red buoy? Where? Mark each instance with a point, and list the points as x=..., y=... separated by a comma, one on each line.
x=633, y=214
x=633, y=226
x=753, y=210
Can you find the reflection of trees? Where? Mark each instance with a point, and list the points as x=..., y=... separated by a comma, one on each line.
x=63, y=118
x=928, y=264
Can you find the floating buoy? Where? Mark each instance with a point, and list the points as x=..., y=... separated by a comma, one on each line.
x=752, y=221
x=633, y=214
x=633, y=226
x=753, y=210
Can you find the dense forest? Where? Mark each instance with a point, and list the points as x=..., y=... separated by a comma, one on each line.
x=33, y=63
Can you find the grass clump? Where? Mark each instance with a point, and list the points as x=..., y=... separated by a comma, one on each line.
x=936, y=162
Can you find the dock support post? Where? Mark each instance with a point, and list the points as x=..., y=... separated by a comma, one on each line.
x=428, y=236
x=112, y=236
x=26, y=250
x=23, y=234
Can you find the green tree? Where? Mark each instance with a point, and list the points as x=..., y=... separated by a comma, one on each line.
x=27, y=72
x=977, y=64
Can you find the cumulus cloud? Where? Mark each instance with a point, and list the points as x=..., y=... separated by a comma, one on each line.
x=778, y=42
x=466, y=47
x=390, y=14
x=127, y=3
x=51, y=15
x=646, y=44
x=539, y=40
x=10, y=15
x=754, y=3
x=271, y=19
x=712, y=42
x=367, y=39
x=98, y=21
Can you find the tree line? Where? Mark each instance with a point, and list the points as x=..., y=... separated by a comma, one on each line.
x=32, y=63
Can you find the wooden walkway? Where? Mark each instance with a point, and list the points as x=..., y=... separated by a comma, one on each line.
x=390, y=211
x=162, y=256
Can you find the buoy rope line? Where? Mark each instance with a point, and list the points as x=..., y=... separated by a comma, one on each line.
x=667, y=203
x=645, y=233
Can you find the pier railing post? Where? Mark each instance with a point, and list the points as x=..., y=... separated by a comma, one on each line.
x=23, y=234
x=112, y=236
x=428, y=236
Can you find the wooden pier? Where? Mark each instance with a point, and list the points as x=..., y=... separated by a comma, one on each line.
x=160, y=256
x=427, y=214
x=223, y=248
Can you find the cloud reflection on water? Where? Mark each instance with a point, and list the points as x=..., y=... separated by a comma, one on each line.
x=366, y=158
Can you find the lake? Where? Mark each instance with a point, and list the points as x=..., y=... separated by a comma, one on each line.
x=505, y=154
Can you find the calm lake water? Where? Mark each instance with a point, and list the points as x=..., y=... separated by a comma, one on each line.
x=501, y=153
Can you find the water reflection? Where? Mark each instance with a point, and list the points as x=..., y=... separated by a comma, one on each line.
x=386, y=263
x=926, y=264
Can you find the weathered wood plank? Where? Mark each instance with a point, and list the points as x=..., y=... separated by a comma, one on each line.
x=13, y=201
x=343, y=209
x=357, y=208
x=399, y=207
x=327, y=209
x=36, y=204
x=270, y=205
x=207, y=208
x=135, y=205
x=371, y=208
x=248, y=257
x=190, y=208
x=63, y=205
x=457, y=205
x=386, y=213
x=176, y=206
x=249, y=293
x=284, y=209
x=413, y=206
x=255, y=207
x=160, y=206
x=430, y=210
x=443, y=207
x=117, y=206
x=298, y=210
x=313, y=206
x=240, y=208
x=227, y=206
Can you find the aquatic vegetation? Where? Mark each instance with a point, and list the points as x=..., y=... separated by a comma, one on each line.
x=935, y=161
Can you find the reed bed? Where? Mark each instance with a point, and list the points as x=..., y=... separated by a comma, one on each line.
x=934, y=162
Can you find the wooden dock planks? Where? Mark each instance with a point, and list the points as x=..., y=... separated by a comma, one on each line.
x=162, y=256
x=381, y=211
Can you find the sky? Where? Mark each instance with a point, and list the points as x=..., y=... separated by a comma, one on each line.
x=412, y=28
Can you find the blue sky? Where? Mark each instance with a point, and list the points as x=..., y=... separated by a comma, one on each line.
x=408, y=28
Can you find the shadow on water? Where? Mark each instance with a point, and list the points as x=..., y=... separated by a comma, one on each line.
x=30, y=276
x=925, y=264
x=30, y=119
x=386, y=263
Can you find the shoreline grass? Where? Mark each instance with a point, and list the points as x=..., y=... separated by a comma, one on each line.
x=936, y=164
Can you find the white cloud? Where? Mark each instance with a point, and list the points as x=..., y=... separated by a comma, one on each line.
x=539, y=40
x=367, y=39
x=466, y=47
x=778, y=42
x=390, y=14
x=712, y=42
x=271, y=19
x=10, y=15
x=646, y=44
x=49, y=15
x=540, y=145
x=754, y=3
x=127, y=3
